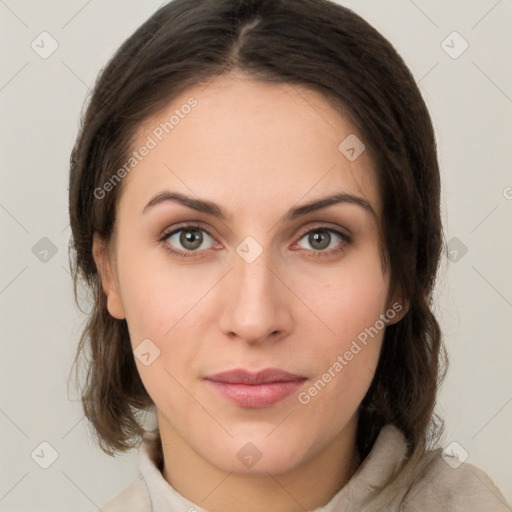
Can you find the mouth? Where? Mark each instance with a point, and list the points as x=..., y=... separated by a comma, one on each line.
x=255, y=389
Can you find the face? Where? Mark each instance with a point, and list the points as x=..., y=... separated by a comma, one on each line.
x=268, y=284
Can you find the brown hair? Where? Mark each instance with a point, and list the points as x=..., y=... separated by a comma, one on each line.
x=324, y=47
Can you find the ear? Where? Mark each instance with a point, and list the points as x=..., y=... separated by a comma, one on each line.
x=397, y=308
x=110, y=287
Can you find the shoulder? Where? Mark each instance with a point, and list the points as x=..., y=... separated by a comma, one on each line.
x=456, y=487
x=134, y=498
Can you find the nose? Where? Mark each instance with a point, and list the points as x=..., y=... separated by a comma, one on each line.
x=256, y=306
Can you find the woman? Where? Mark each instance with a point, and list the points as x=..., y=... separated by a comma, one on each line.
x=254, y=201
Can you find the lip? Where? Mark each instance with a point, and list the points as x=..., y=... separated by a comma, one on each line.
x=255, y=389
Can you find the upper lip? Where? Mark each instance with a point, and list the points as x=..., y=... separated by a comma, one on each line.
x=242, y=376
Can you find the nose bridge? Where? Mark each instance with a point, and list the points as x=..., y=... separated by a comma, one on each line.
x=255, y=307
x=254, y=279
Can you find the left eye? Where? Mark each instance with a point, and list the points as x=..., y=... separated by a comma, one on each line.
x=320, y=238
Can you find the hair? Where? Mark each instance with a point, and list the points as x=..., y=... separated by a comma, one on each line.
x=316, y=44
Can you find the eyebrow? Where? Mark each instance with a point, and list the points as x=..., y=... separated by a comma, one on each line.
x=219, y=212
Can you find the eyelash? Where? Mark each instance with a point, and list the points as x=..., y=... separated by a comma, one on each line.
x=346, y=240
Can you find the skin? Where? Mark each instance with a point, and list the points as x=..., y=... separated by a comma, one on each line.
x=257, y=150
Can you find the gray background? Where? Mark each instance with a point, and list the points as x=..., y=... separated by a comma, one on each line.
x=470, y=100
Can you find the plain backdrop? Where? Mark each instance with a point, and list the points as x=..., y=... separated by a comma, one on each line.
x=469, y=95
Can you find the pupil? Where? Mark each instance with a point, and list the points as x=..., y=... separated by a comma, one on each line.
x=192, y=239
x=317, y=239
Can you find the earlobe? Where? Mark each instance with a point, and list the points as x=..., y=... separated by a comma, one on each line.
x=397, y=309
x=108, y=282
x=400, y=311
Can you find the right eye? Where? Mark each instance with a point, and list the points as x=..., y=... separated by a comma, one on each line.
x=188, y=238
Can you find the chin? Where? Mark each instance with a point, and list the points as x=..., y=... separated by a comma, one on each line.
x=258, y=456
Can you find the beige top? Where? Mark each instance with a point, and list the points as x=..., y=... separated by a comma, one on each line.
x=433, y=485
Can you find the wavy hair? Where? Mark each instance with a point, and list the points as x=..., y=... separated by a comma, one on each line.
x=313, y=43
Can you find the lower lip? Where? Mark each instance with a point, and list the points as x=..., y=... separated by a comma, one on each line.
x=261, y=395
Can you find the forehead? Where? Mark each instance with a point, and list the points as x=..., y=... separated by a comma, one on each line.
x=249, y=143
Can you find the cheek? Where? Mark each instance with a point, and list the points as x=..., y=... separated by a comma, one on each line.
x=149, y=308
x=156, y=294
x=346, y=298
x=159, y=304
x=345, y=361
x=349, y=302
x=162, y=303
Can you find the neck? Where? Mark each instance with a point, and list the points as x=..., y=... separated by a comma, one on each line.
x=305, y=487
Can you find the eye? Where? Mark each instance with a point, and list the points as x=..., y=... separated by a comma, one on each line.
x=191, y=238
x=323, y=242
